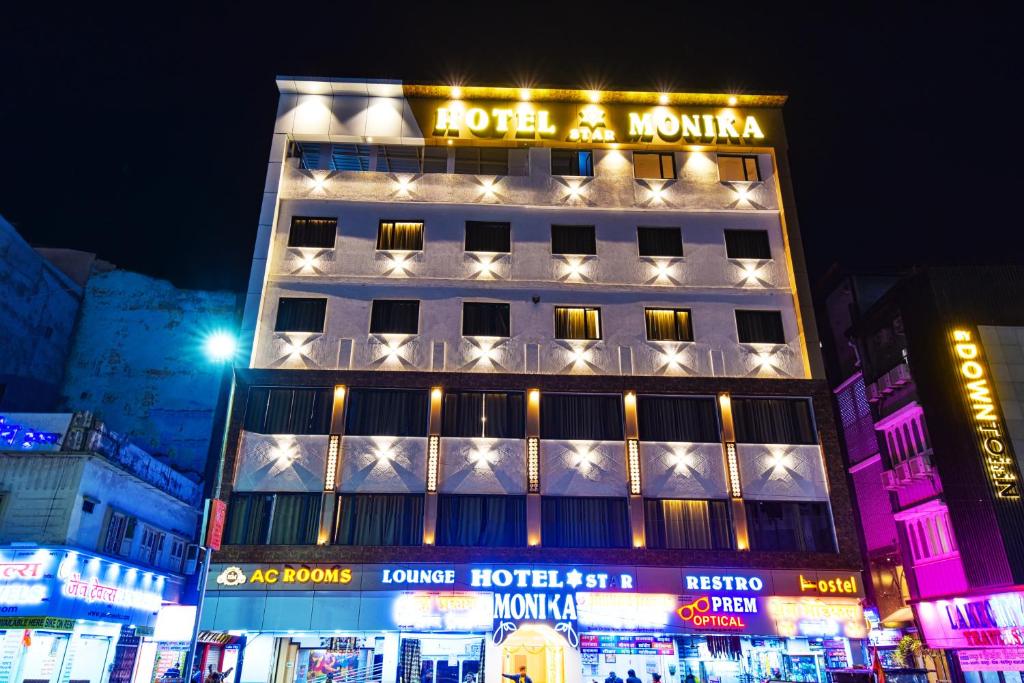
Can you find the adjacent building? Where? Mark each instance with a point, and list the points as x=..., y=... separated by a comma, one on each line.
x=927, y=368
x=534, y=382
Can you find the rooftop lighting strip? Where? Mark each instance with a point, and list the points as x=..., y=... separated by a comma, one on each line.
x=333, y=444
x=533, y=465
x=734, y=470
x=433, y=458
x=633, y=460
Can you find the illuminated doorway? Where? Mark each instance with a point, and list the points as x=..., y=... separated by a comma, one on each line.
x=540, y=650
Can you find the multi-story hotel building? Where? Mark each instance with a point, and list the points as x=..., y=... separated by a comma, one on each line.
x=534, y=382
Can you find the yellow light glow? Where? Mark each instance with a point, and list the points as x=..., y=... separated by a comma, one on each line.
x=456, y=93
x=656, y=193
x=307, y=261
x=742, y=192
x=318, y=182
x=574, y=190
x=579, y=355
x=291, y=349
x=732, y=101
x=435, y=393
x=487, y=186
x=662, y=99
x=573, y=268
x=534, y=395
x=594, y=96
x=671, y=357
x=524, y=94
x=662, y=267
x=450, y=142
x=339, y=392
x=403, y=184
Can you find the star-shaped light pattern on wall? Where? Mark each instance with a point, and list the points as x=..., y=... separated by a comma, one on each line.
x=574, y=268
x=749, y=273
x=485, y=266
x=654, y=193
x=489, y=190
x=485, y=354
x=743, y=195
x=403, y=185
x=296, y=349
x=390, y=351
x=398, y=263
x=580, y=356
x=663, y=271
x=674, y=358
x=766, y=360
x=306, y=261
x=592, y=117
x=574, y=191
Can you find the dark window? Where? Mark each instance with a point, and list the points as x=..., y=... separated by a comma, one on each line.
x=488, y=237
x=760, y=327
x=273, y=518
x=400, y=236
x=668, y=324
x=733, y=167
x=481, y=160
x=412, y=159
x=677, y=418
x=747, y=244
x=386, y=412
x=390, y=316
x=660, y=241
x=784, y=525
x=688, y=524
x=577, y=323
x=571, y=522
x=584, y=417
x=289, y=411
x=340, y=157
x=773, y=420
x=572, y=162
x=481, y=319
x=307, y=231
x=380, y=519
x=573, y=239
x=492, y=415
x=300, y=315
x=654, y=165
x=487, y=521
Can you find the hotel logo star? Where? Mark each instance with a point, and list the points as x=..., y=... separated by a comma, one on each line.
x=573, y=578
x=592, y=117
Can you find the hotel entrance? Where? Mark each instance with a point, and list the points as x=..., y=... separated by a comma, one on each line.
x=545, y=654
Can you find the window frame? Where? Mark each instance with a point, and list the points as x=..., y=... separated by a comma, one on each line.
x=725, y=241
x=277, y=315
x=462, y=320
x=465, y=236
x=677, y=228
x=743, y=164
x=600, y=323
x=419, y=314
x=551, y=244
x=577, y=152
x=334, y=235
x=675, y=311
x=479, y=161
x=661, y=166
x=394, y=221
x=782, y=324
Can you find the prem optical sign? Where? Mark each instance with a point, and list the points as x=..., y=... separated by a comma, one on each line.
x=975, y=382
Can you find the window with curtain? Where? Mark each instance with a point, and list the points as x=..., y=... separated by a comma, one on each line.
x=484, y=319
x=738, y=167
x=307, y=231
x=486, y=521
x=577, y=322
x=773, y=420
x=654, y=165
x=489, y=237
x=386, y=412
x=296, y=314
x=760, y=327
x=576, y=162
x=677, y=418
x=273, y=518
x=391, y=316
x=572, y=522
x=492, y=415
x=752, y=244
x=482, y=160
x=273, y=410
x=380, y=519
x=688, y=524
x=573, y=239
x=400, y=236
x=668, y=324
x=583, y=417
x=786, y=525
x=659, y=241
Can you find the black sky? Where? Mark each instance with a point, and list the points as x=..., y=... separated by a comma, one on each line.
x=142, y=134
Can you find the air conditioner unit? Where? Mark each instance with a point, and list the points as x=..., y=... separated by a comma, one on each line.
x=889, y=480
x=191, y=559
x=903, y=472
x=83, y=419
x=919, y=467
x=872, y=393
x=900, y=374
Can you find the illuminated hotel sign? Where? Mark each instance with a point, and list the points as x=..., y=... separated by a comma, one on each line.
x=236, y=576
x=979, y=395
x=592, y=123
x=846, y=586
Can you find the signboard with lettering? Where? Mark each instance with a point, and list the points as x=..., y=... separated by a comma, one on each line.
x=995, y=620
x=994, y=659
x=215, y=525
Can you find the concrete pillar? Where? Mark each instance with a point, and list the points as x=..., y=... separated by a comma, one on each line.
x=732, y=475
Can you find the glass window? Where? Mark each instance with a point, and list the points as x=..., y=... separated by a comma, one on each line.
x=738, y=167
x=339, y=157
x=773, y=420
x=486, y=521
x=577, y=323
x=760, y=327
x=790, y=526
x=582, y=417
x=390, y=316
x=482, y=160
x=307, y=231
x=273, y=518
x=380, y=519
x=572, y=522
x=668, y=324
x=747, y=244
x=576, y=162
x=654, y=165
x=688, y=524
x=488, y=236
x=480, y=319
x=300, y=314
x=386, y=412
x=400, y=236
x=659, y=241
x=412, y=159
x=677, y=419
x=492, y=415
x=271, y=410
x=573, y=239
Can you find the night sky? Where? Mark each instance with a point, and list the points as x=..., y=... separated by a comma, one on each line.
x=142, y=135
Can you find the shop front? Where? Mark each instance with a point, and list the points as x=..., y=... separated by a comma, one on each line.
x=564, y=624
x=66, y=615
x=985, y=633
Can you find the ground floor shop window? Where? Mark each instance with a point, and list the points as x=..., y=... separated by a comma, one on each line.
x=784, y=525
x=481, y=520
x=690, y=524
x=380, y=519
x=573, y=522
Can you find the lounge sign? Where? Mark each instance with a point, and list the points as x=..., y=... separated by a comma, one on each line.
x=593, y=124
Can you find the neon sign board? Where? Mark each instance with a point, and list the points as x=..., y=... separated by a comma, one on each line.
x=717, y=612
x=995, y=620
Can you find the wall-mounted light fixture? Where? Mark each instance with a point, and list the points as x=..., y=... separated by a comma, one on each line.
x=433, y=460
x=533, y=464
x=734, y=470
x=331, y=471
x=633, y=462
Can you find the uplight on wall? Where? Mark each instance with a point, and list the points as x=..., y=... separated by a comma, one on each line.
x=633, y=463
x=403, y=183
x=533, y=465
x=663, y=99
x=732, y=101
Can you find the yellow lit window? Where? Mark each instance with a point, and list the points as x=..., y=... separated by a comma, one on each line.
x=577, y=323
x=654, y=165
x=400, y=236
x=735, y=167
x=668, y=324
